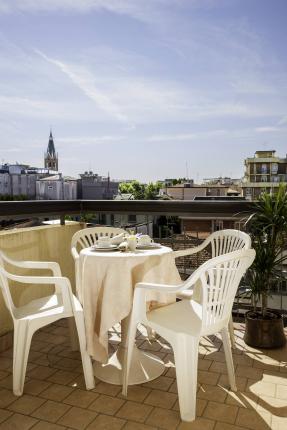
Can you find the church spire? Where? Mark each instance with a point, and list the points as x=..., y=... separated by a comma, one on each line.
x=51, y=158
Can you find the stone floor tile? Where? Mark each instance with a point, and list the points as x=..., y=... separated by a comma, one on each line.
x=7, y=382
x=281, y=391
x=279, y=423
x=211, y=392
x=5, y=363
x=26, y=404
x=6, y=397
x=274, y=377
x=43, y=425
x=261, y=388
x=204, y=364
x=18, y=422
x=130, y=425
x=134, y=411
x=105, y=422
x=217, y=366
x=108, y=389
x=41, y=372
x=77, y=418
x=4, y=414
x=51, y=411
x=136, y=393
x=3, y=374
x=249, y=372
x=241, y=382
x=56, y=392
x=210, y=378
x=160, y=383
x=221, y=412
x=198, y=424
x=277, y=407
x=164, y=419
x=106, y=404
x=242, y=399
x=67, y=363
x=35, y=386
x=225, y=426
x=62, y=377
x=161, y=399
x=253, y=420
x=81, y=398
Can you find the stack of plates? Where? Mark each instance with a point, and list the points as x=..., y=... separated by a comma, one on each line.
x=105, y=248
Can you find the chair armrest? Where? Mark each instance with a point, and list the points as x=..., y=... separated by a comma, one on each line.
x=75, y=253
x=163, y=288
x=191, y=251
x=50, y=265
x=62, y=284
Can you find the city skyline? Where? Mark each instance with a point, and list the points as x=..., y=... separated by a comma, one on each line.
x=143, y=90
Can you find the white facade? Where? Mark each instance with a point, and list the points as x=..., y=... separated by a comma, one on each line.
x=56, y=188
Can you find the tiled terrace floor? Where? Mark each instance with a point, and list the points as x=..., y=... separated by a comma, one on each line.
x=55, y=399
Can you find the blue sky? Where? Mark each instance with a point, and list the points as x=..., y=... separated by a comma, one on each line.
x=143, y=89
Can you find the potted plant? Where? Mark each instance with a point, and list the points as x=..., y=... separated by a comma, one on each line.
x=268, y=229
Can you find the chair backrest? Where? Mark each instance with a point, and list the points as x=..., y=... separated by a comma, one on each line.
x=229, y=240
x=4, y=286
x=88, y=236
x=219, y=279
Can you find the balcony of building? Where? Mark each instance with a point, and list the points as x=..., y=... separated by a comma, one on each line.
x=54, y=394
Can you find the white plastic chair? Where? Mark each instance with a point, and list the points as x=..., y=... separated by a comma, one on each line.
x=38, y=313
x=183, y=323
x=221, y=242
x=84, y=239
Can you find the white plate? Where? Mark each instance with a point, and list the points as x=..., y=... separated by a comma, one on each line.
x=149, y=246
x=105, y=248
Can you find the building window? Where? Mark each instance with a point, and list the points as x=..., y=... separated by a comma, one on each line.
x=132, y=219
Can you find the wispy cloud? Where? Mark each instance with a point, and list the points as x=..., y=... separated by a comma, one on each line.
x=86, y=82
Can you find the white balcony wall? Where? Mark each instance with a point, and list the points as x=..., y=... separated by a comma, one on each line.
x=44, y=243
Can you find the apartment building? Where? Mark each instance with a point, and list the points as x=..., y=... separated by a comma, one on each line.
x=263, y=172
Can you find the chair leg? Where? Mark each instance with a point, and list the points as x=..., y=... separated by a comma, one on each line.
x=73, y=334
x=228, y=358
x=21, y=348
x=186, y=363
x=231, y=332
x=128, y=354
x=86, y=359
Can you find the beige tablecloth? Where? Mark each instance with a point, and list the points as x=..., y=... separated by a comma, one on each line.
x=107, y=283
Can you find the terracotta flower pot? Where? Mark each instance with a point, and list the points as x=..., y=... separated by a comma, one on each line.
x=265, y=332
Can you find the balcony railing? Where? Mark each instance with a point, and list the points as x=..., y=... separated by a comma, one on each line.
x=204, y=209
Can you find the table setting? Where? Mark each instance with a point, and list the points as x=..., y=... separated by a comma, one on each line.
x=125, y=242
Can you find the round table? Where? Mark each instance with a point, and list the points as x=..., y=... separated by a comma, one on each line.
x=108, y=279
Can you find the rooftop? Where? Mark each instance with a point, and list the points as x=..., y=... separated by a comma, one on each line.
x=55, y=397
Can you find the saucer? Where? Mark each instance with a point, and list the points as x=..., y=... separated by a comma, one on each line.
x=149, y=246
x=105, y=248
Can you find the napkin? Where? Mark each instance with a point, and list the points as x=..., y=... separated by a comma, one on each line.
x=116, y=240
x=123, y=246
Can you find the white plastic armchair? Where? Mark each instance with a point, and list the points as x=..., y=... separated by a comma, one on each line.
x=184, y=322
x=221, y=242
x=27, y=319
x=84, y=239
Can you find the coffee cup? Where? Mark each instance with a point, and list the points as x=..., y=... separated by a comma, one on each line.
x=145, y=239
x=104, y=242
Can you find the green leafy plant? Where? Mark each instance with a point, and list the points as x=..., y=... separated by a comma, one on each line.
x=268, y=228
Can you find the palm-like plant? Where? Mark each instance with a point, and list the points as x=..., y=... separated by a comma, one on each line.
x=268, y=229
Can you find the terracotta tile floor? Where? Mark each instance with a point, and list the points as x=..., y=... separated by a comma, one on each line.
x=55, y=397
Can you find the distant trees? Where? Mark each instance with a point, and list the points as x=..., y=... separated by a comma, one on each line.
x=140, y=191
x=8, y=198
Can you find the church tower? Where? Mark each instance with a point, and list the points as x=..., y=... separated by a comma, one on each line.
x=51, y=158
